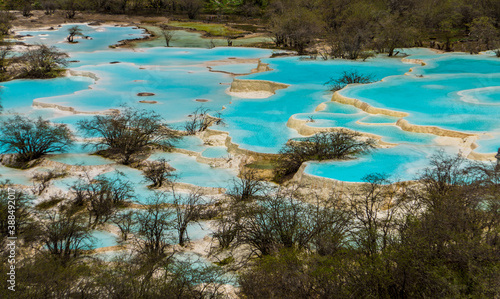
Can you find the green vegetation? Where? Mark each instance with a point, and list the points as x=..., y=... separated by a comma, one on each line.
x=350, y=29
x=330, y=28
x=48, y=204
x=72, y=32
x=210, y=29
x=41, y=62
x=38, y=62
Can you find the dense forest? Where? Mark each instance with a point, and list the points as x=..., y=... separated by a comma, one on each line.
x=346, y=29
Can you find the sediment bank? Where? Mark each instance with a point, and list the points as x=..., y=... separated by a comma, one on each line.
x=406, y=126
x=338, y=98
x=259, y=89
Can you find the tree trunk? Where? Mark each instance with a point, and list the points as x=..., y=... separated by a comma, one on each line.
x=182, y=231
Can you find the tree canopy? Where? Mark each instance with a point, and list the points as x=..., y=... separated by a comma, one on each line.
x=341, y=144
x=128, y=132
x=32, y=138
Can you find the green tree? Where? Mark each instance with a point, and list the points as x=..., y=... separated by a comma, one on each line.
x=484, y=34
x=394, y=32
x=5, y=23
x=192, y=7
x=71, y=7
x=296, y=27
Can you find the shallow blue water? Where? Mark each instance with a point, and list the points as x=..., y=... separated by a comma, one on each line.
x=190, y=171
x=102, y=37
x=191, y=143
x=80, y=159
x=240, y=68
x=400, y=163
x=215, y=152
x=15, y=176
x=65, y=183
x=489, y=143
x=102, y=239
x=457, y=92
x=18, y=95
x=434, y=100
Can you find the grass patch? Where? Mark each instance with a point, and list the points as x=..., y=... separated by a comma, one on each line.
x=45, y=205
x=247, y=27
x=210, y=29
x=225, y=261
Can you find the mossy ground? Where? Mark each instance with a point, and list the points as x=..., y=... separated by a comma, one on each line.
x=210, y=29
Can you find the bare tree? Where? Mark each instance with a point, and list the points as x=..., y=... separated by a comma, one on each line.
x=43, y=178
x=125, y=222
x=19, y=218
x=341, y=144
x=154, y=227
x=158, y=172
x=191, y=7
x=226, y=228
x=26, y=6
x=187, y=211
x=200, y=120
x=444, y=175
x=5, y=59
x=31, y=139
x=374, y=206
x=63, y=234
x=128, y=132
x=281, y=220
x=167, y=33
x=295, y=27
x=102, y=196
x=348, y=77
x=49, y=6
x=247, y=186
x=394, y=33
